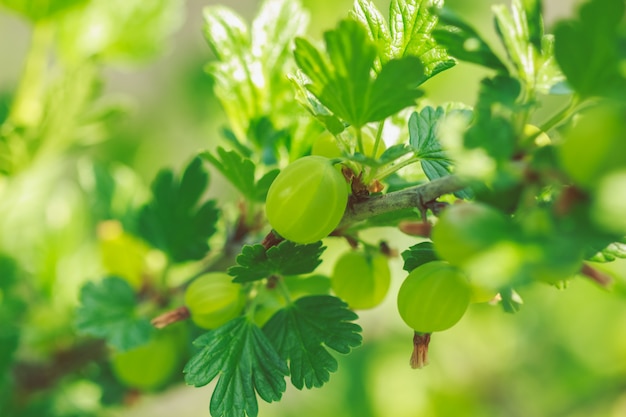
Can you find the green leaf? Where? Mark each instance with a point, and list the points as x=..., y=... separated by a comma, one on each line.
x=464, y=43
x=342, y=81
x=392, y=90
x=9, y=270
x=550, y=79
x=411, y=24
x=513, y=29
x=40, y=9
x=9, y=342
x=277, y=23
x=616, y=250
x=239, y=171
x=394, y=152
x=245, y=363
x=417, y=255
x=423, y=137
x=511, y=301
x=250, y=67
x=226, y=33
x=313, y=105
x=492, y=129
x=365, y=11
x=151, y=24
x=287, y=258
x=408, y=34
x=590, y=49
x=263, y=184
x=11, y=309
x=109, y=310
x=175, y=220
x=534, y=21
x=304, y=331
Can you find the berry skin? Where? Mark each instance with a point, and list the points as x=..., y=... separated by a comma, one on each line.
x=360, y=279
x=433, y=297
x=213, y=299
x=306, y=201
x=150, y=366
x=465, y=230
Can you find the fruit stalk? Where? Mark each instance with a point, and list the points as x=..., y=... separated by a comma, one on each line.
x=419, y=357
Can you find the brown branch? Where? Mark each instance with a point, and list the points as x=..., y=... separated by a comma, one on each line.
x=417, y=197
x=599, y=277
x=171, y=317
x=31, y=377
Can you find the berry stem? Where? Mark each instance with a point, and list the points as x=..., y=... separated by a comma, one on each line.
x=419, y=357
x=171, y=317
x=596, y=276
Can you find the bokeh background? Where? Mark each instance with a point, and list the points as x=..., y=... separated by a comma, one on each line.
x=562, y=355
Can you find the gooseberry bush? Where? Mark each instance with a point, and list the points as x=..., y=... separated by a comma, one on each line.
x=329, y=139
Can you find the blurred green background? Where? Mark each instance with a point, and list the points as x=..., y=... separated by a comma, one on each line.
x=563, y=354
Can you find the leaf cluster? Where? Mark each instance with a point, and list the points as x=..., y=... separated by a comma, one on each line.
x=175, y=220
x=249, y=361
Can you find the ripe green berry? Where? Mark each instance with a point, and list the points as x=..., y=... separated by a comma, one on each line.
x=465, y=230
x=360, y=279
x=150, y=366
x=594, y=145
x=326, y=145
x=307, y=200
x=433, y=297
x=213, y=299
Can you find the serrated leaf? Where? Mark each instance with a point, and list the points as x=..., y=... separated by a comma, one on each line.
x=245, y=363
x=423, y=131
x=263, y=184
x=408, y=33
x=109, y=310
x=286, y=258
x=616, y=250
x=342, y=80
x=239, y=171
x=411, y=24
x=464, y=43
x=590, y=49
x=304, y=331
x=417, y=255
x=394, y=152
x=175, y=220
x=277, y=23
x=365, y=11
x=492, y=129
x=249, y=73
x=313, y=105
